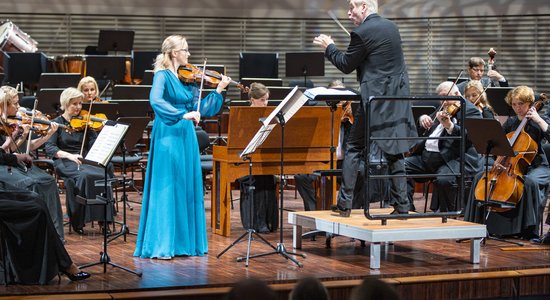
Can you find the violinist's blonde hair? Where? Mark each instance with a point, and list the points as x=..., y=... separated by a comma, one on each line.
x=476, y=84
x=86, y=80
x=164, y=60
x=522, y=93
x=69, y=94
x=9, y=91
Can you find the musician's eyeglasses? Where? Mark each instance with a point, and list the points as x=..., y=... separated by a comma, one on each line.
x=183, y=49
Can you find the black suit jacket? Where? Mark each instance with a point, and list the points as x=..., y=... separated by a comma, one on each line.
x=375, y=52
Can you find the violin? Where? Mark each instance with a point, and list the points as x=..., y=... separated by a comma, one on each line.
x=41, y=123
x=190, y=73
x=84, y=119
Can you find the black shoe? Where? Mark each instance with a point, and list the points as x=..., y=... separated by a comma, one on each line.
x=545, y=239
x=80, y=231
x=78, y=276
x=343, y=212
x=396, y=212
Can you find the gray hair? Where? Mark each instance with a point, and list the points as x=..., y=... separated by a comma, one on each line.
x=446, y=86
x=69, y=94
x=372, y=5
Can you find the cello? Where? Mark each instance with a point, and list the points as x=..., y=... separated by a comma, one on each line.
x=506, y=176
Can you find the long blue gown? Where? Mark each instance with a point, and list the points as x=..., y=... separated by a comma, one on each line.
x=173, y=221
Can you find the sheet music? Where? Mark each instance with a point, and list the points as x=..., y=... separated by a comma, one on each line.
x=258, y=139
x=106, y=143
x=313, y=92
x=289, y=106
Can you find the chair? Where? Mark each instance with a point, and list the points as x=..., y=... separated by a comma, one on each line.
x=206, y=159
x=4, y=255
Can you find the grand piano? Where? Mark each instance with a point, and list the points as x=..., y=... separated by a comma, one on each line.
x=307, y=148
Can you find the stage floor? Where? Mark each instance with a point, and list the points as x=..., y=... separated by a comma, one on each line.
x=346, y=260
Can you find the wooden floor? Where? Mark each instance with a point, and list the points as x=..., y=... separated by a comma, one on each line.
x=437, y=269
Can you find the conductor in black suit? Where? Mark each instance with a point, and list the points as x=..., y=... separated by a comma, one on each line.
x=375, y=52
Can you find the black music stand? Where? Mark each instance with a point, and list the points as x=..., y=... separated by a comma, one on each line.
x=142, y=61
x=124, y=91
x=305, y=64
x=496, y=96
x=491, y=140
x=100, y=155
x=48, y=101
x=106, y=67
x=24, y=67
x=263, y=65
x=58, y=80
x=134, y=108
x=136, y=126
x=282, y=114
x=115, y=40
x=256, y=142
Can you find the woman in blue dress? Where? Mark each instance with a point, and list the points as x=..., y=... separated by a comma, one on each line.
x=173, y=221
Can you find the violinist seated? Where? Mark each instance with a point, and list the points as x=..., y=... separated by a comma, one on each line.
x=475, y=93
x=88, y=86
x=522, y=220
x=442, y=156
x=67, y=150
x=476, y=69
x=32, y=179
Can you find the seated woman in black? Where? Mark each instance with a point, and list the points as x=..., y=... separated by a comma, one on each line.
x=34, y=252
x=65, y=147
x=524, y=219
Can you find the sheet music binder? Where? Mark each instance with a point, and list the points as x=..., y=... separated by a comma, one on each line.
x=105, y=145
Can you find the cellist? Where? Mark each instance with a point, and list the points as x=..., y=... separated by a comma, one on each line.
x=523, y=220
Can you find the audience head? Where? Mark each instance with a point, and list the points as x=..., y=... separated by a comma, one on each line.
x=68, y=95
x=170, y=51
x=476, y=67
x=88, y=86
x=251, y=289
x=309, y=288
x=374, y=289
x=258, y=94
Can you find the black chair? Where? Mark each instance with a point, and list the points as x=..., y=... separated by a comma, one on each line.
x=206, y=159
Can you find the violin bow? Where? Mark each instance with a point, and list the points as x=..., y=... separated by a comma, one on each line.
x=202, y=85
x=333, y=16
x=29, y=138
x=450, y=89
x=86, y=127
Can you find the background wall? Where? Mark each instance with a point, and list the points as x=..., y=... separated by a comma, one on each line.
x=438, y=36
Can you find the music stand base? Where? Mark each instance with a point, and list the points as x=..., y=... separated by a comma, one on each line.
x=105, y=260
x=281, y=249
x=249, y=233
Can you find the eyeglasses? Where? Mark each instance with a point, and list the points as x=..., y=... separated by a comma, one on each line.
x=183, y=49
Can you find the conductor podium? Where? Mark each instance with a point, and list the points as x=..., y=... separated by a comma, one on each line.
x=306, y=149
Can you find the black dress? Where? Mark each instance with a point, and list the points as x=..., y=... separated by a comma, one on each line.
x=78, y=180
x=34, y=252
x=524, y=219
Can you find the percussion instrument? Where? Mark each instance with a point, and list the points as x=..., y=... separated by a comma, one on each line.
x=12, y=39
x=71, y=64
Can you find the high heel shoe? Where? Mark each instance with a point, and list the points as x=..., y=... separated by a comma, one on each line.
x=78, y=276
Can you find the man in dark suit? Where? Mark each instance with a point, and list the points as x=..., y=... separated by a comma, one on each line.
x=476, y=68
x=443, y=156
x=375, y=52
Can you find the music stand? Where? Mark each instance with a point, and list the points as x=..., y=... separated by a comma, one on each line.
x=24, y=67
x=491, y=140
x=134, y=108
x=496, y=96
x=110, y=110
x=263, y=65
x=282, y=114
x=305, y=64
x=48, y=101
x=254, y=143
x=147, y=77
x=136, y=126
x=106, y=67
x=123, y=91
x=115, y=40
x=100, y=155
x=58, y=80
x=142, y=61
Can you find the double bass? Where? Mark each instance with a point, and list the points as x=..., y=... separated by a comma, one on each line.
x=505, y=179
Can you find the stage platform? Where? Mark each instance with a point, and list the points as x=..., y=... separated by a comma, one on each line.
x=418, y=269
x=371, y=231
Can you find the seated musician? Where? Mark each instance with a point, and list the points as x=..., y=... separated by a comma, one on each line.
x=443, y=156
x=524, y=219
x=67, y=150
x=35, y=254
x=476, y=68
x=474, y=92
x=265, y=214
x=88, y=86
x=34, y=179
